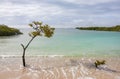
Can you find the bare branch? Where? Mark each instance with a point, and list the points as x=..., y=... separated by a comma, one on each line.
x=23, y=46
x=30, y=42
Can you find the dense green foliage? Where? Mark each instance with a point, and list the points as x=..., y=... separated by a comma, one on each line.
x=41, y=30
x=7, y=31
x=114, y=28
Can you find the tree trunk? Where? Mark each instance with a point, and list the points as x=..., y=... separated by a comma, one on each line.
x=23, y=58
x=24, y=49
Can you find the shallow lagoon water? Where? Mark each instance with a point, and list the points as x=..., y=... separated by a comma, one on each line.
x=67, y=42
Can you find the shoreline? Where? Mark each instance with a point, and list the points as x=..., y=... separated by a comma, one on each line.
x=78, y=56
x=56, y=67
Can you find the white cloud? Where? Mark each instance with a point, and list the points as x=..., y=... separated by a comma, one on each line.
x=30, y=10
x=64, y=13
x=78, y=20
x=88, y=2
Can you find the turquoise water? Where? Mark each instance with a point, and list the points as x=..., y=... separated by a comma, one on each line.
x=68, y=42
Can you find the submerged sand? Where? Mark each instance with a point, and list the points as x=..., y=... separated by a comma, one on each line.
x=59, y=67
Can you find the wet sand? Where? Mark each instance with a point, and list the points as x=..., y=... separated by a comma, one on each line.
x=59, y=67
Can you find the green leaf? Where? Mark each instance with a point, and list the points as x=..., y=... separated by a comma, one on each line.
x=31, y=25
x=41, y=29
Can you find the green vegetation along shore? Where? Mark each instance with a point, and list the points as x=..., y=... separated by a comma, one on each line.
x=7, y=31
x=114, y=28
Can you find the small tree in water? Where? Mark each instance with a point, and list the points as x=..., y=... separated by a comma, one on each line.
x=39, y=30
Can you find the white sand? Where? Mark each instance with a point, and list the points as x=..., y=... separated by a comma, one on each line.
x=59, y=68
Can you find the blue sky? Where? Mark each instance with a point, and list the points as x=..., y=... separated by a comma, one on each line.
x=60, y=13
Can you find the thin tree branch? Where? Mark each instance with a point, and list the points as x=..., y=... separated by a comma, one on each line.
x=22, y=46
x=29, y=42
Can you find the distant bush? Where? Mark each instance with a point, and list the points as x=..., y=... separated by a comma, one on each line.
x=7, y=31
x=114, y=28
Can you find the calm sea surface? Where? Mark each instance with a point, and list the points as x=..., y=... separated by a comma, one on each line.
x=68, y=42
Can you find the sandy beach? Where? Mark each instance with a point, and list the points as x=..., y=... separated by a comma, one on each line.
x=58, y=67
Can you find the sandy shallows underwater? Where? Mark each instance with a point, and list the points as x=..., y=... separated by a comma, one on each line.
x=58, y=68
